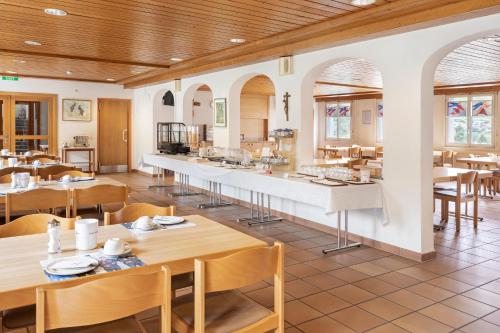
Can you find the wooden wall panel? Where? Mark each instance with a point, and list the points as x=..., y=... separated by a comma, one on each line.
x=254, y=106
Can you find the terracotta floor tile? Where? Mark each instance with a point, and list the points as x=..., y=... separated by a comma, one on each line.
x=398, y=279
x=431, y=292
x=346, y=259
x=481, y=326
x=384, y=308
x=301, y=270
x=357, y=319
x=408, y=299
x=324, y=325
x=484, y=296
x=493, y=286
x=447, y=315
x=292, y=330
x=297, y=312
x=450, y=284
x=302, y=255
x=468, y=257
x=324, y=264
x=394, y=262
x=298, y=288
x=349, y=275
x=352, y=294
x=302, y=244
x=369, y=253
x=418, y=273
x=418, y=323
x=493, y=318
x=369, y=268
x=325, y=302
x=388, y=328
x=376, y=286
x=255, y=286
x=468, y=305
x=324, y=281
x=475, y=275
x=444, y=265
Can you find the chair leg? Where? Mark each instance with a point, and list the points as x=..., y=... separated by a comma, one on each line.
x=444, y=213
x=457, y=215
x=476, y=212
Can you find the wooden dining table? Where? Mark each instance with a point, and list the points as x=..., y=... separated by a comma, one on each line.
x=446, y=174
x=479, y=162
x=21, y=272
x=57, y=185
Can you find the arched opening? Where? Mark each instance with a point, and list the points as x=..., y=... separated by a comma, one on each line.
x=162, y=111
x=348, y=112
x=466, y=86
x=257, y=112
x=197, y=114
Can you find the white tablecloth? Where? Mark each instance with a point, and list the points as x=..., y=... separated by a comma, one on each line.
x=331, y=199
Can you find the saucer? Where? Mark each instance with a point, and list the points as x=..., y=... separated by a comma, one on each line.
x=126, y=252
x=168, y=220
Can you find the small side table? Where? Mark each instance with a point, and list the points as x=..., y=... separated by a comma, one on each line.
x=90, y=150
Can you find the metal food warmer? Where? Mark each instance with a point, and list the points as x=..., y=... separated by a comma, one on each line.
x=172, y=138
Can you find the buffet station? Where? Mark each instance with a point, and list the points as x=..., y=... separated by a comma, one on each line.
x=271, y=179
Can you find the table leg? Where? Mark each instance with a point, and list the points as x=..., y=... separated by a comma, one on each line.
x=346, y=244
x=158, y=178
x=261, y=217
x=183, y=187
x=214, y=196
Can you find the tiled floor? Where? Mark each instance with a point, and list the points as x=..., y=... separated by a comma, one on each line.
x=367, y=290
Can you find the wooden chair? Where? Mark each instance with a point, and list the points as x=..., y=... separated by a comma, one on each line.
x=34, y=157
x=358, y=161
x=226, y=311
x=134, y=211
x=99, y=194
x=355, y=152
x=448, y=158
x=379, y=152
x=53, y=170
x=34, y=224
x=105, y=304
x=37, y=199
x=9, y=170
x=71, y=173
x=467, y=190
x=44, y=160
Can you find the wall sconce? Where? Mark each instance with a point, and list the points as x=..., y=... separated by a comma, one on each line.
x=286, y=65
x=178, y=86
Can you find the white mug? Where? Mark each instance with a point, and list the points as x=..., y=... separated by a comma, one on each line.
x=37, y=163
x=12, y=162
x=86, y=234
x=4, y=152
x=114, y=246
x=364, y=175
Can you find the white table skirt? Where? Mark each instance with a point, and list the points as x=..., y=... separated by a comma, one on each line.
x=331, y=199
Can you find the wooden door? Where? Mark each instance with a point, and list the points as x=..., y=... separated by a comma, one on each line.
x=113, y=135
x=4, y=121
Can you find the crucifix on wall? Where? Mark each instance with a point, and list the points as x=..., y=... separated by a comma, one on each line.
x=286, y=96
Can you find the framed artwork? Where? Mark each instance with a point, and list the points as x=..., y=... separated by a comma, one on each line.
x=76, y=110
x=220, y=114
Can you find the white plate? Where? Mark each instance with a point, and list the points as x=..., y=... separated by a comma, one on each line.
x=168, y=220
x=92, y=264
x=152, y=227
x=126, y=251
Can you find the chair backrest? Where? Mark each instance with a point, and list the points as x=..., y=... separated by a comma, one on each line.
x=238, y=270
x=34, y=224
x=358, y=161
x=35, y=157
x=355, y=152
x=471, y=182
x=102, y=300
x=44, y=160
x=134, y=211
x=71, y=173
x=9, y=170
x=53, y=170
x=8, y=179
x=40, y=198
x=99, y=194
x=448, y=157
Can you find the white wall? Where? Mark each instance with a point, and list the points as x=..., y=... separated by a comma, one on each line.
x=70, y=89
x=203, y=114
x=407, y=62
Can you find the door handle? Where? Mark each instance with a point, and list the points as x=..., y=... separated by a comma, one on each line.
x=125, y=135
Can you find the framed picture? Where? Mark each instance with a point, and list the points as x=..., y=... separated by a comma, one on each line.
x=76, y=110
x=220, y=119
x=366, y=117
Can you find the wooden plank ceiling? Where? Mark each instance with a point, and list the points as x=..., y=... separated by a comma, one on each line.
x=136, y=42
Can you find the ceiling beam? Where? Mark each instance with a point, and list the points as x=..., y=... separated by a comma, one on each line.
x=347, y=85
x=350, y=97
x=74, y=57
x=394, y=17
x=56, y=78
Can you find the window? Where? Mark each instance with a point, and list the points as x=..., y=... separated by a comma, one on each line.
x=380, y=120
x=338, y=121
x=470, y=120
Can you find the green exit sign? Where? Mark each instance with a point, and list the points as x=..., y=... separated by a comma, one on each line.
x=10, y=78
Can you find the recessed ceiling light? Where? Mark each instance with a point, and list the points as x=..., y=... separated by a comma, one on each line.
x=55, y=12
x=237, y=40
x=32, y=43
x=12, y=72
x=19, y=61
x=69, y=72
x=110, y=79
x=176, y=59
x=362, y=2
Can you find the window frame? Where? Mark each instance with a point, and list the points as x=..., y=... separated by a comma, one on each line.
x=469, y=115
x=350, y=121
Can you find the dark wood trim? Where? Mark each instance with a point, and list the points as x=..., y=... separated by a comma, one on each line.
x=395, y=17
x=466, y=89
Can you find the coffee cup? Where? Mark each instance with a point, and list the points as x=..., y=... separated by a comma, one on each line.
x=66, y=178
x=114, y=246
x=28, y=154
x=4, y=152
x=37, y=163
x=144, y=222
x=86, y=234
